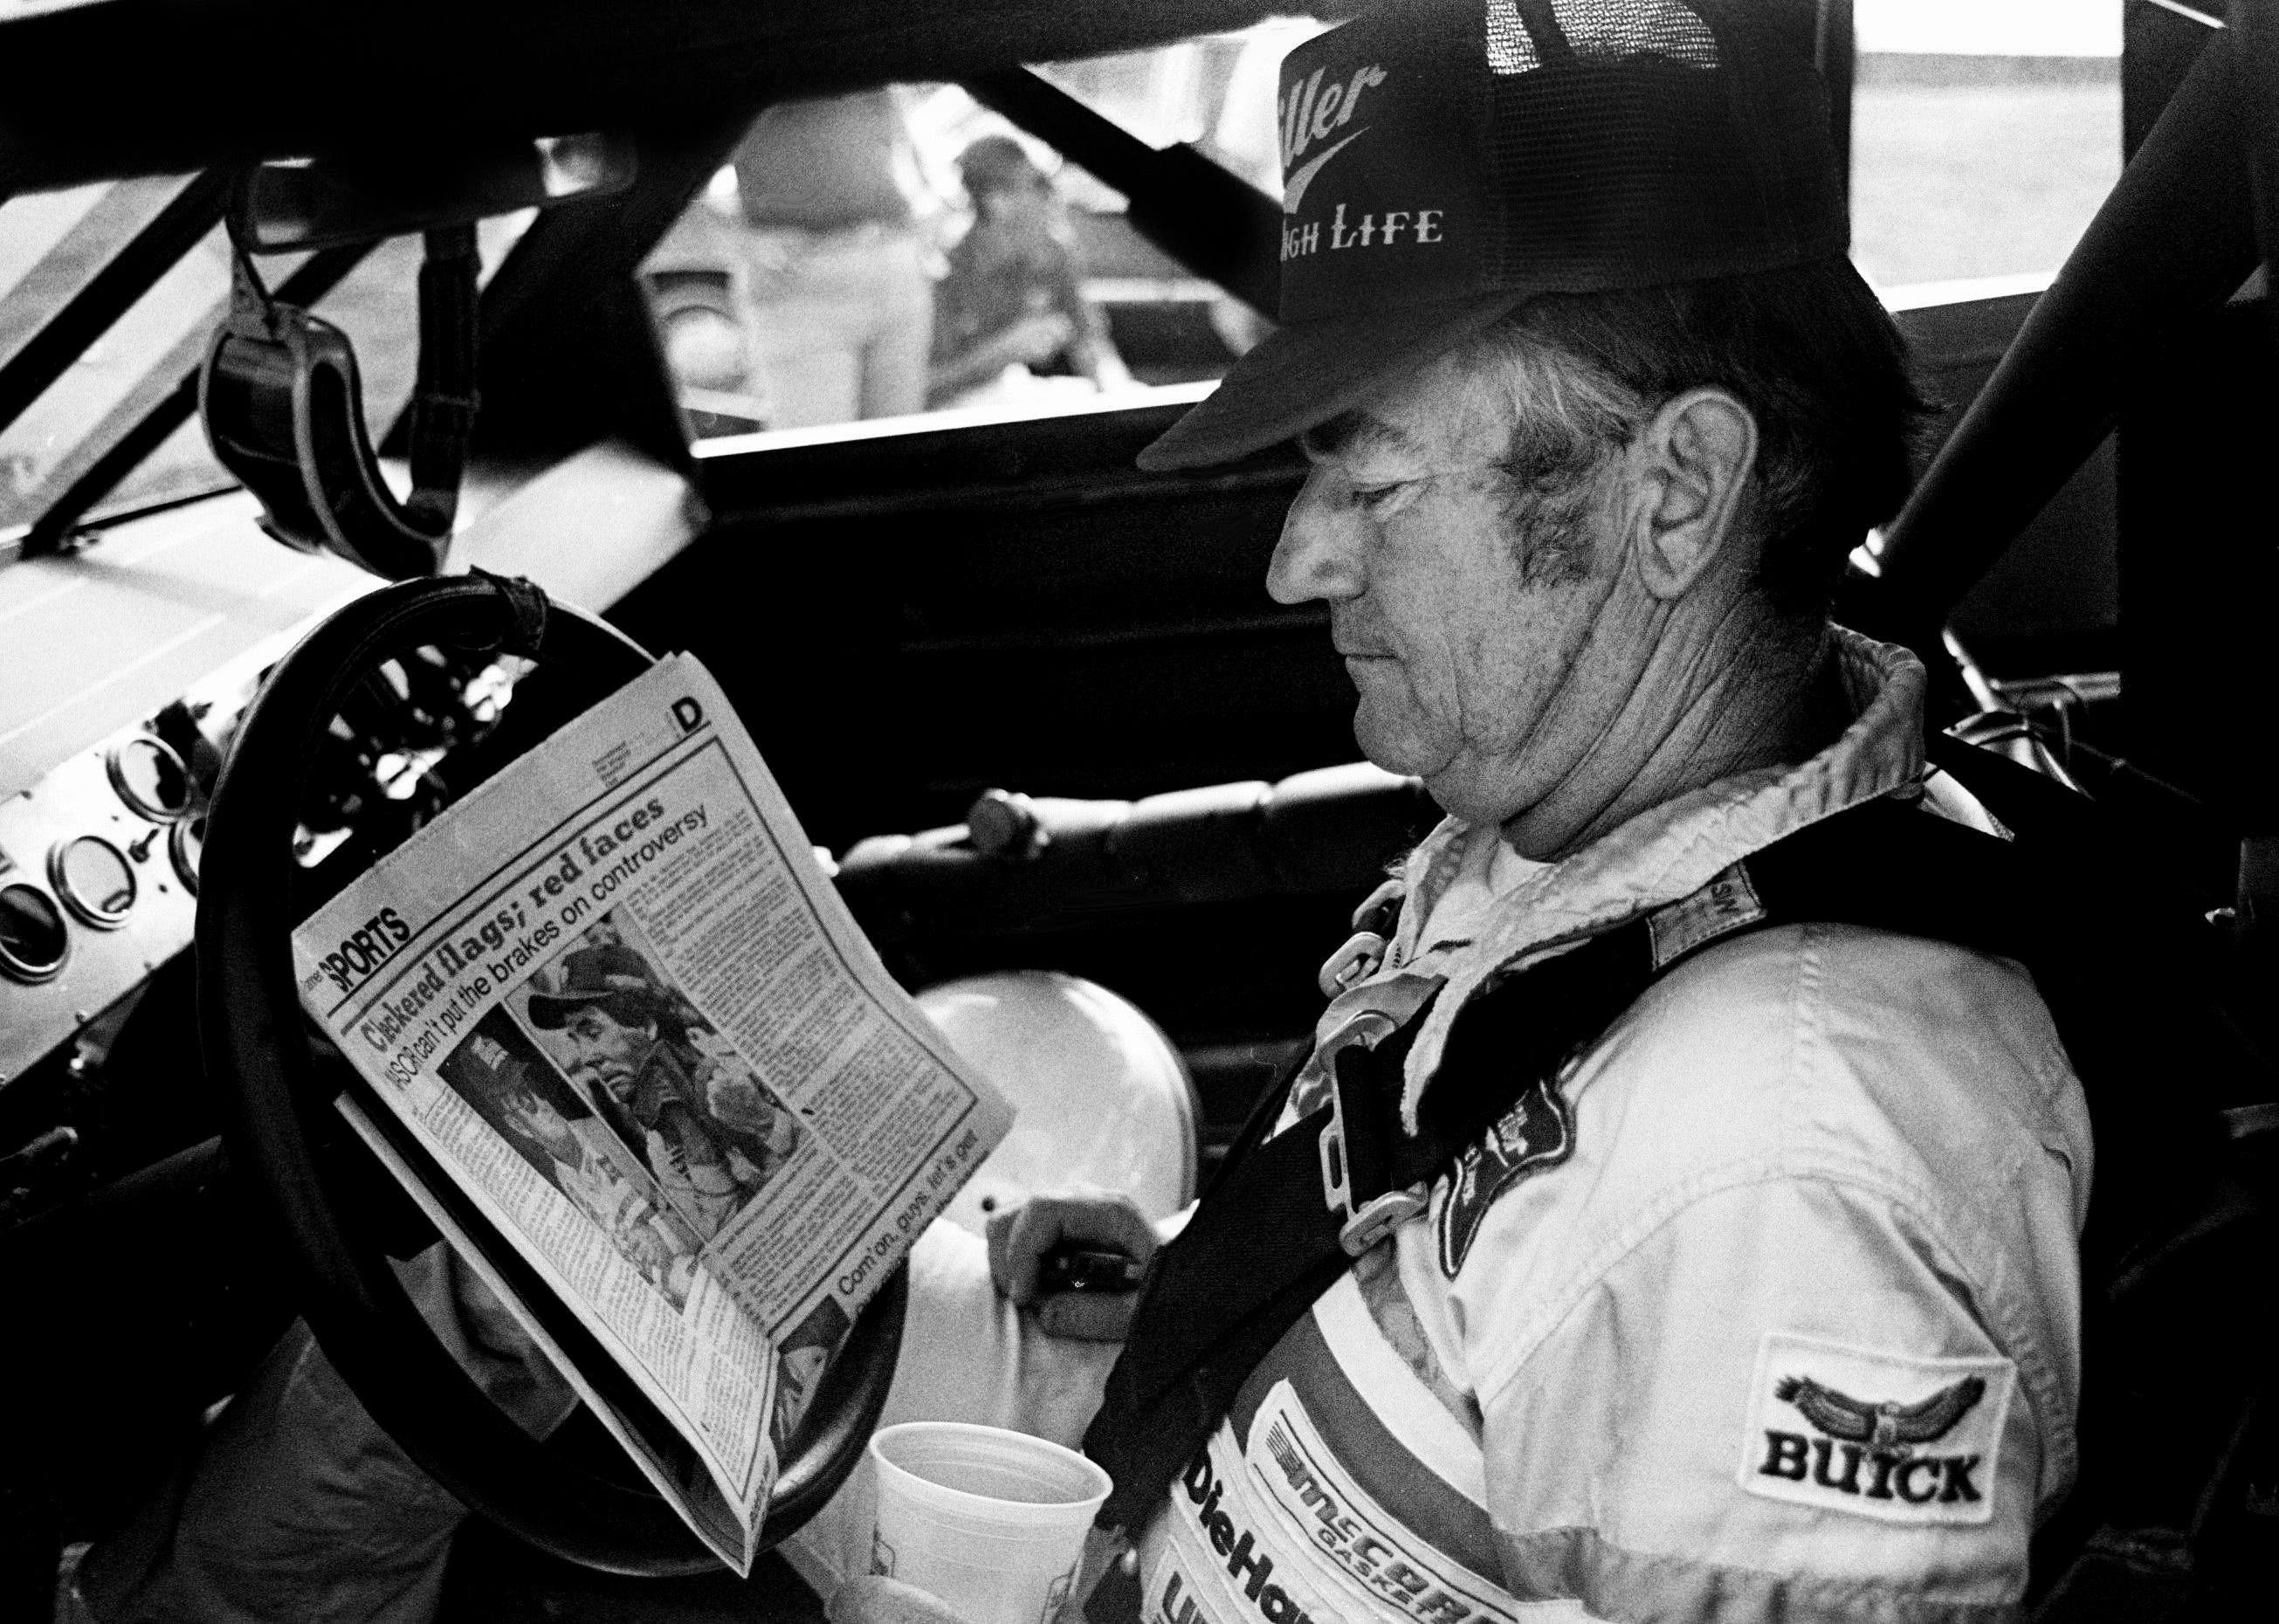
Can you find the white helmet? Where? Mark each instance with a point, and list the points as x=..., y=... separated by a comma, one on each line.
x=1102, y=1099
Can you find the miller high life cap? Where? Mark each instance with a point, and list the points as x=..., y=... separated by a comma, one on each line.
x=1444, y=161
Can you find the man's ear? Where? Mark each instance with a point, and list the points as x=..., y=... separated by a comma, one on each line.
x=1696, y=456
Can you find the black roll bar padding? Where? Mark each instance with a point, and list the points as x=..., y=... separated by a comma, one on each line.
x=282, y=1128
x=443, y=399
x=1198, y=844
x=1836, y=53
x=2173, y=237
x=2255, y=39
x=1314, y=833
x=1215, y=223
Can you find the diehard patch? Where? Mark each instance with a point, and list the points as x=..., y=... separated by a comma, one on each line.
x=1727, y=903
x=1538, y=1133
x=1881, y=1435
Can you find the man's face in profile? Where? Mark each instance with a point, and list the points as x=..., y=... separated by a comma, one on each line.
x=611, y=1051
x=1460, y=623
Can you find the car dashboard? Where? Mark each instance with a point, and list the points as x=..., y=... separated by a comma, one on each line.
x=126, y=666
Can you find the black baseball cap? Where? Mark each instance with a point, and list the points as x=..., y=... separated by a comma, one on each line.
x=614, y=978
x=1445, y=161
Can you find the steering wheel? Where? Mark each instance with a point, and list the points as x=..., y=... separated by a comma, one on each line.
x=339, y=1214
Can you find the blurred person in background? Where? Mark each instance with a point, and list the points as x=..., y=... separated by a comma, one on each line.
x=804, y=285
x=841, y=307
x=1011, y=297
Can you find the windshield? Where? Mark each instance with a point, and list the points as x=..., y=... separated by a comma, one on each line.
x=54, y=245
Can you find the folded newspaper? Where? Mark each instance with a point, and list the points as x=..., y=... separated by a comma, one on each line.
x=629, y=1050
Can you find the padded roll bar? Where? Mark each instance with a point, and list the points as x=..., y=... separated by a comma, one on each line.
x=2255, y=36
x=1023, y=864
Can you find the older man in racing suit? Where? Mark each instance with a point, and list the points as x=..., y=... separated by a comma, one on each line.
x=1763, y=1304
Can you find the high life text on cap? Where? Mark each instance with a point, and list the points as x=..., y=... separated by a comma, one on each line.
x=1308, y=112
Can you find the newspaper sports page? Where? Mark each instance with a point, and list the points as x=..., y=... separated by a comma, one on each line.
x=612, y=1000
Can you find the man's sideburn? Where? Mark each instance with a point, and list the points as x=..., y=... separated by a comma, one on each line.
x=1550, y=474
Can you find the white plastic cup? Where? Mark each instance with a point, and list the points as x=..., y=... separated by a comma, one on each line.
x=990, y=1522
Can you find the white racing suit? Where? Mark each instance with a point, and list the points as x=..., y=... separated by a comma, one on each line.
x=1769, y=1314
x=1772, y=1315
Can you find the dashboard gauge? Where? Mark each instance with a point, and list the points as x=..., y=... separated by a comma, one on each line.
x=185, y=844
x=94, y=879
x=34, y=940
x=150, y=778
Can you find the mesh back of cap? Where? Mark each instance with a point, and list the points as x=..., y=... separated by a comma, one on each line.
x=1635, y=141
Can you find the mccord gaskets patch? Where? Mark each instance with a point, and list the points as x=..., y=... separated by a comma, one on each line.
x=1537, y=1133
x=1900, y=1439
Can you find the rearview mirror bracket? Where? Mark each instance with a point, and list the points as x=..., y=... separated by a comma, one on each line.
x=302, y=203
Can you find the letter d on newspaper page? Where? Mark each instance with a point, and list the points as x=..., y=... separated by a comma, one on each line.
x=628, y=1049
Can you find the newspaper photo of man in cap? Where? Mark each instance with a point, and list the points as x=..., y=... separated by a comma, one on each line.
x=710, y=1131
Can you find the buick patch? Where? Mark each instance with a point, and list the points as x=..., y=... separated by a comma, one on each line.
x=1535, y=1133
x=1880, y=1435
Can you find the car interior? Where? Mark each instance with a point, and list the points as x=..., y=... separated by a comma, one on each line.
x=315, y=325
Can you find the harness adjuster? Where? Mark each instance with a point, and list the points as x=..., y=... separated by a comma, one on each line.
x=1366, y=1221
x=1378, y=1218
x=1362, y=952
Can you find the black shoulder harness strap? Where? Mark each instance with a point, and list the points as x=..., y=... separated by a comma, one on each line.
x=1265, y=1243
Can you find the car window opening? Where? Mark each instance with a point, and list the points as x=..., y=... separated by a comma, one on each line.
x=907, y=251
